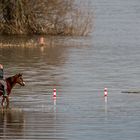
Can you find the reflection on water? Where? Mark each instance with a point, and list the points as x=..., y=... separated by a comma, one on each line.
x=11, y=123
x=106, y=111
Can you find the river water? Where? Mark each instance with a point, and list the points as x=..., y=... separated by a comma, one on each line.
x=79, y=68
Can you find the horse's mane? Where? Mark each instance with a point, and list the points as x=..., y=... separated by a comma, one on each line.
x=10, y=81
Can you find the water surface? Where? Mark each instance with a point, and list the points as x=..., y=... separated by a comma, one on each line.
x=79, y=68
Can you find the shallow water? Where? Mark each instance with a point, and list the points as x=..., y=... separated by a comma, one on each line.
x=79, y=69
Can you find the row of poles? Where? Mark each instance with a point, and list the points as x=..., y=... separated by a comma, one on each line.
x=105, y=97
x=105, y=92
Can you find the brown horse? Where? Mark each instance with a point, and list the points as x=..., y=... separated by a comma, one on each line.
x=11, y=82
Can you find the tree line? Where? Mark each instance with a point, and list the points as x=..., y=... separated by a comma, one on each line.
x=52, y=17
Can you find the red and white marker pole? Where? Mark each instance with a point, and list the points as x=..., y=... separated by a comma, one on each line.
x=54, y=99
x=54, y=92
x=105, y=92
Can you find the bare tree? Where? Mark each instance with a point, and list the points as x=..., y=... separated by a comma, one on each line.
x=44, y=17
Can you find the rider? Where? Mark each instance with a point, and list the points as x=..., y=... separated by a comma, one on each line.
x=2, y=81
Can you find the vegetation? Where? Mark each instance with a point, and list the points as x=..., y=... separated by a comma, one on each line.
x=52, y=17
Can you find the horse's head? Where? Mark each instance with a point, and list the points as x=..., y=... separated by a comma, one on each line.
x=18, y=79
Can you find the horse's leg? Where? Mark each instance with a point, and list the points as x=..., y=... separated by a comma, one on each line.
x=3, y=99
x=7, y=101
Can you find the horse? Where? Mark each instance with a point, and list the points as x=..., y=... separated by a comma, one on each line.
x=11, y=82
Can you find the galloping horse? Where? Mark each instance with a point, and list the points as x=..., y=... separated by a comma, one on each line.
x=11, y=82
